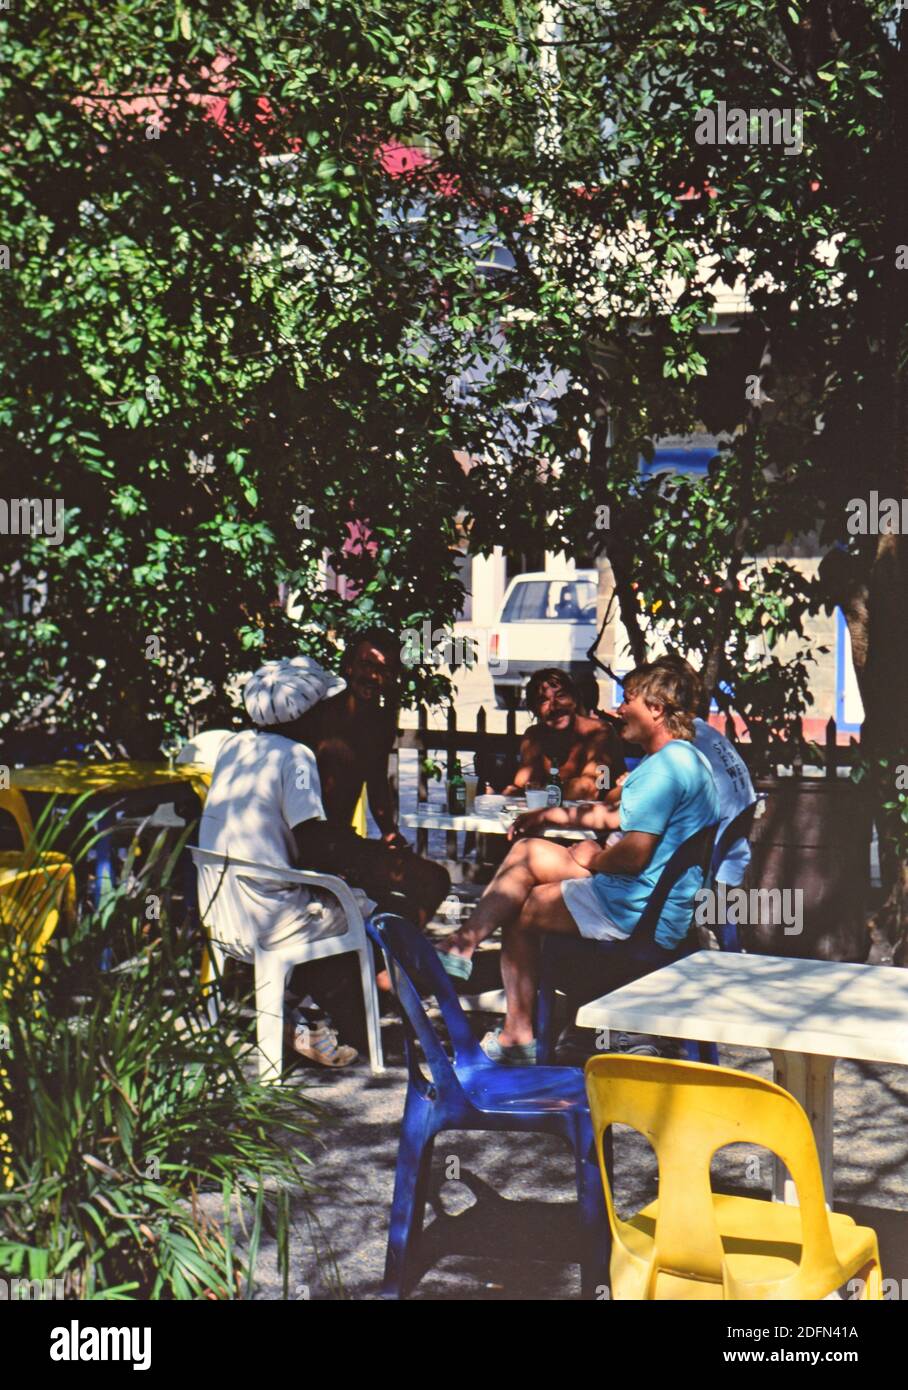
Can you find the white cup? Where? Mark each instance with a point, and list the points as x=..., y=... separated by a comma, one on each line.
x=537, y=798
x=471, y=783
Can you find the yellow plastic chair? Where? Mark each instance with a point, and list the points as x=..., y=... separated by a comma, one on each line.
x=33, y=901
x=7, y=1179
x=692, y=1243
x=13, y=802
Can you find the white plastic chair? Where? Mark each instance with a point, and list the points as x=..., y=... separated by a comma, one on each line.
x=229, y=935
x=204, y=747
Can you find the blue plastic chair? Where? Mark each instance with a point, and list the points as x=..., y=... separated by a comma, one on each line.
x=737, y=829
x=726, y=932
x=577, y=960
x=473, y=1093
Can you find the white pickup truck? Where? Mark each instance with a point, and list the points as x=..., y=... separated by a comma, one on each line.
x=546, y=619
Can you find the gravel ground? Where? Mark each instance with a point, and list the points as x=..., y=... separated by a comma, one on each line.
x=505, y=1227
x=501, y=1221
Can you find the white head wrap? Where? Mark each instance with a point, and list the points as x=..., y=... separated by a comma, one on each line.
x=281, y=691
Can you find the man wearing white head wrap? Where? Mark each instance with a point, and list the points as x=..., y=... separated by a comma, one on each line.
x=283, y=691
x=265, y=806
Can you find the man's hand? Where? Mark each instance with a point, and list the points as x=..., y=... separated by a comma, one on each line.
x=395, y=840
x=528, y=823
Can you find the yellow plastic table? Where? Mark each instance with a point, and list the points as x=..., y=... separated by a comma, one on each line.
x=73, y=779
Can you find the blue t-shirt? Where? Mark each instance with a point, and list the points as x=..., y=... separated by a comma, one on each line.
x=671, y=794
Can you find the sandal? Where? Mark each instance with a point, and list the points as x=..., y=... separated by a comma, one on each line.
x=458, y=967
x=516, y=1055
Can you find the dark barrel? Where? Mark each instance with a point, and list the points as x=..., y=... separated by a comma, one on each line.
x=812, y=835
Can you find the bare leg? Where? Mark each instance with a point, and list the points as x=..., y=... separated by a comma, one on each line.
x=530, y=863
x=584, y=852
x=544, y=911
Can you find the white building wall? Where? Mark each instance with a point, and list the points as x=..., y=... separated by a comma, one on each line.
x=559, y=563
x=487, y=583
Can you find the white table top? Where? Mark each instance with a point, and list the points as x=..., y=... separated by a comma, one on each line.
x=815, y=1006
x=483, y=825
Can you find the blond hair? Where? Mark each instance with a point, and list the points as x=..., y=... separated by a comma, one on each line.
x=664, y=684
x=690, y=694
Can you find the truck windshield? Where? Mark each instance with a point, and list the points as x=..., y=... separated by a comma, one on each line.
x=545, y=600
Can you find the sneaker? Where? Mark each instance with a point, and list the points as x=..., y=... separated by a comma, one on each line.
x=320, y=1045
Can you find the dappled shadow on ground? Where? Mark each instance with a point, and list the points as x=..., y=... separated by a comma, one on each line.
x=501, y=1222
x=497, y=1247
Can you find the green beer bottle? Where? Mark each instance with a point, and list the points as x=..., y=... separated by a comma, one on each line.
x=457, y=791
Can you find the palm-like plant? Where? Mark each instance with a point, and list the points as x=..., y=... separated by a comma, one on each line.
x=121, y=1108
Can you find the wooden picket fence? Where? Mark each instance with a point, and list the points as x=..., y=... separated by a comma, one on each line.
x=453, y=741
x=790, y=755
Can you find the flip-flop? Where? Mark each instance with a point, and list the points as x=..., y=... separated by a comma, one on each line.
x=517, y=1055
x=458, y=967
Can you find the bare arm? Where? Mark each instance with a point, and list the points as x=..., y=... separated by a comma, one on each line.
x=614, y=796
x=320, y=845
x=532, y=765
x=594, y=816
x=379, y=792
x=380, y=803
x=630, y=855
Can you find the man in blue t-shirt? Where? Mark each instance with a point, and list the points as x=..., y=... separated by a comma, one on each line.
x=667, y=798
x=730, y=774
x=593, y=892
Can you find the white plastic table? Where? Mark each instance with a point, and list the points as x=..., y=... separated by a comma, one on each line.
x=805, y=1012
x=483, y=825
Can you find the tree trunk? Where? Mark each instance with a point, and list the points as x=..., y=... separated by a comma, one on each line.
x=886, y=702
x=619, y=547
x=725, y=608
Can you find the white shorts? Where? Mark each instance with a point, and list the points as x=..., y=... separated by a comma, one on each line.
x=584, y=906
